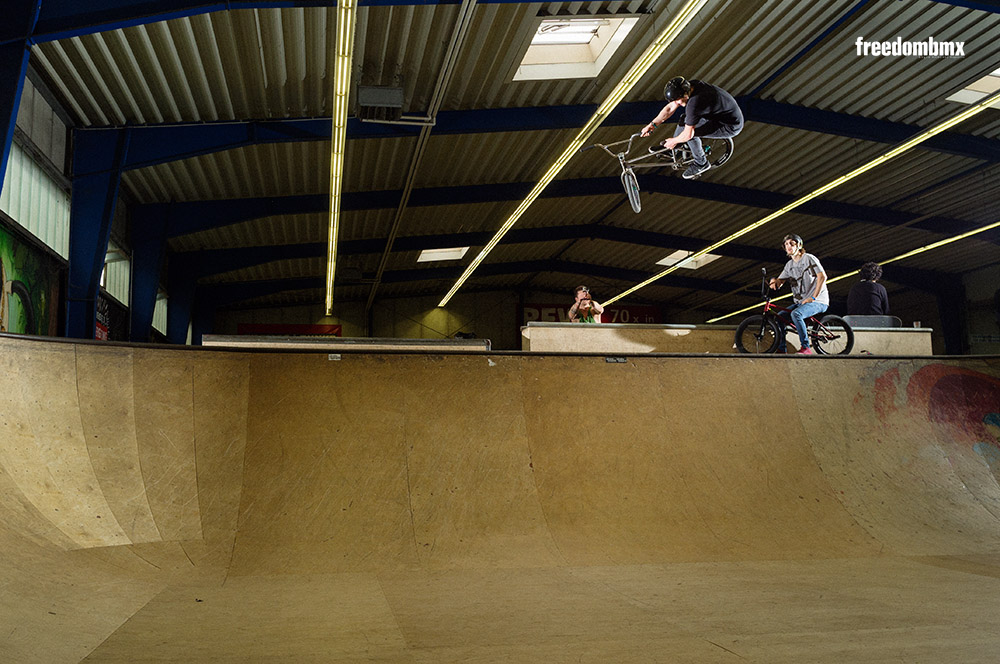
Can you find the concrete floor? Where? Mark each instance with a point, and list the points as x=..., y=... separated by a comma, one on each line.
x=189, y=505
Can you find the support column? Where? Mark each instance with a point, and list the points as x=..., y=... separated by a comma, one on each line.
x=952, y=309
x=149, y=233
x=97, y=169
x=180, y=285
x=203, y=317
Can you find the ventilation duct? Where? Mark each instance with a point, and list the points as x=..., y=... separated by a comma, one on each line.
x=381, y=103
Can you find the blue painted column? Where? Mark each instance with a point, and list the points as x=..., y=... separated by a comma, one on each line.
x=203, y=315
x=97, y=170
x=180, y=286
x=149, y=233
x=15, y=27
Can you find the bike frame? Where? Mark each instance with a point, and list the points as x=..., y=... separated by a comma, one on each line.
x=681, y=155
x=772, y=311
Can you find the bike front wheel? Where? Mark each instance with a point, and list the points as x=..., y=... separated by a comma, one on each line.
x=757, y=334
x=631, y=185
x=832, y=335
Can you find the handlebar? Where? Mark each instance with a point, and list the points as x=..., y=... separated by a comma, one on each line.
x=606, y=147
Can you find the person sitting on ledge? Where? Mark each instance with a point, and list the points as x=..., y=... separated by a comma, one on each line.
x=868, y=297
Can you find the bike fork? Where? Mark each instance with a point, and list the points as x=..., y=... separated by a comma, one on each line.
x=763, y=326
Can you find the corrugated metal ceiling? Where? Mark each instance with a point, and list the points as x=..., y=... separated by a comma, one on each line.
x=259, y=64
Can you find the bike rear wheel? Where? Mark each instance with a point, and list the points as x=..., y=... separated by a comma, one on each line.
x=832, y=335
x=718, y=150
x=631, y=185
x=757, y=334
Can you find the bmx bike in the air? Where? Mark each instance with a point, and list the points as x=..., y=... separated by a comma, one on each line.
x=762, y=333
x=717, y=150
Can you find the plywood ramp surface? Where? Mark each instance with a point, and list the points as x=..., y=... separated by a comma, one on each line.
x=177, y=505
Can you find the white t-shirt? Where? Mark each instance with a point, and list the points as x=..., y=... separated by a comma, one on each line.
x=802, y=275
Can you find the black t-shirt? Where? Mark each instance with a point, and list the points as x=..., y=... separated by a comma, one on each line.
x=711, y=103
x=867, y=298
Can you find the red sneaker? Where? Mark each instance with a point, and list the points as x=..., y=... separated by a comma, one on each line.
x=806, y=350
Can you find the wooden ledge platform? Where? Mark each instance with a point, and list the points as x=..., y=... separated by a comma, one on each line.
x=627, y=338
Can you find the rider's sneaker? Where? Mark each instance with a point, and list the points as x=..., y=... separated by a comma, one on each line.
x=694, y=170
x=805, y=350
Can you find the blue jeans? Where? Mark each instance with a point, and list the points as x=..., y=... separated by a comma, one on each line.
x=707, y=129
x=799, y=314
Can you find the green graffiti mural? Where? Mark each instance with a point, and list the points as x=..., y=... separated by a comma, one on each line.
x=29, y=288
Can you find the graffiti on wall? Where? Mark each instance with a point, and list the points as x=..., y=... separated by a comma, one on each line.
x=29, y=288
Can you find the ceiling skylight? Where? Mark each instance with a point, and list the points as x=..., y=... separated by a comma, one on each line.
x=978, y=89
x=681, y=255
x=572, y=47
x=452, y=254
x=559, y=32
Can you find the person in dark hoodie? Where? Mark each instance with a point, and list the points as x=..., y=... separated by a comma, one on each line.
x=868, y=297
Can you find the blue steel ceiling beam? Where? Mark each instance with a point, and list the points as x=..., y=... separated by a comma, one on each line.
x=230, y=293
x=61, y=19
x=992, y=6
x=561, y=267
x=866, y=129
x=204, y=263
x=208, y=262
x=157, y=144
x=224, y=294
x=20, y=19
x=195, y=216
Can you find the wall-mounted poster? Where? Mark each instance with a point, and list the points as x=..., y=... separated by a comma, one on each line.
x=30, y=287
x=112, y=319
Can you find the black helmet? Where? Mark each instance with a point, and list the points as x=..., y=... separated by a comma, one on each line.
x=676, y=88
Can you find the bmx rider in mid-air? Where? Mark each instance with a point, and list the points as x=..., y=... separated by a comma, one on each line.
x=710, y=112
